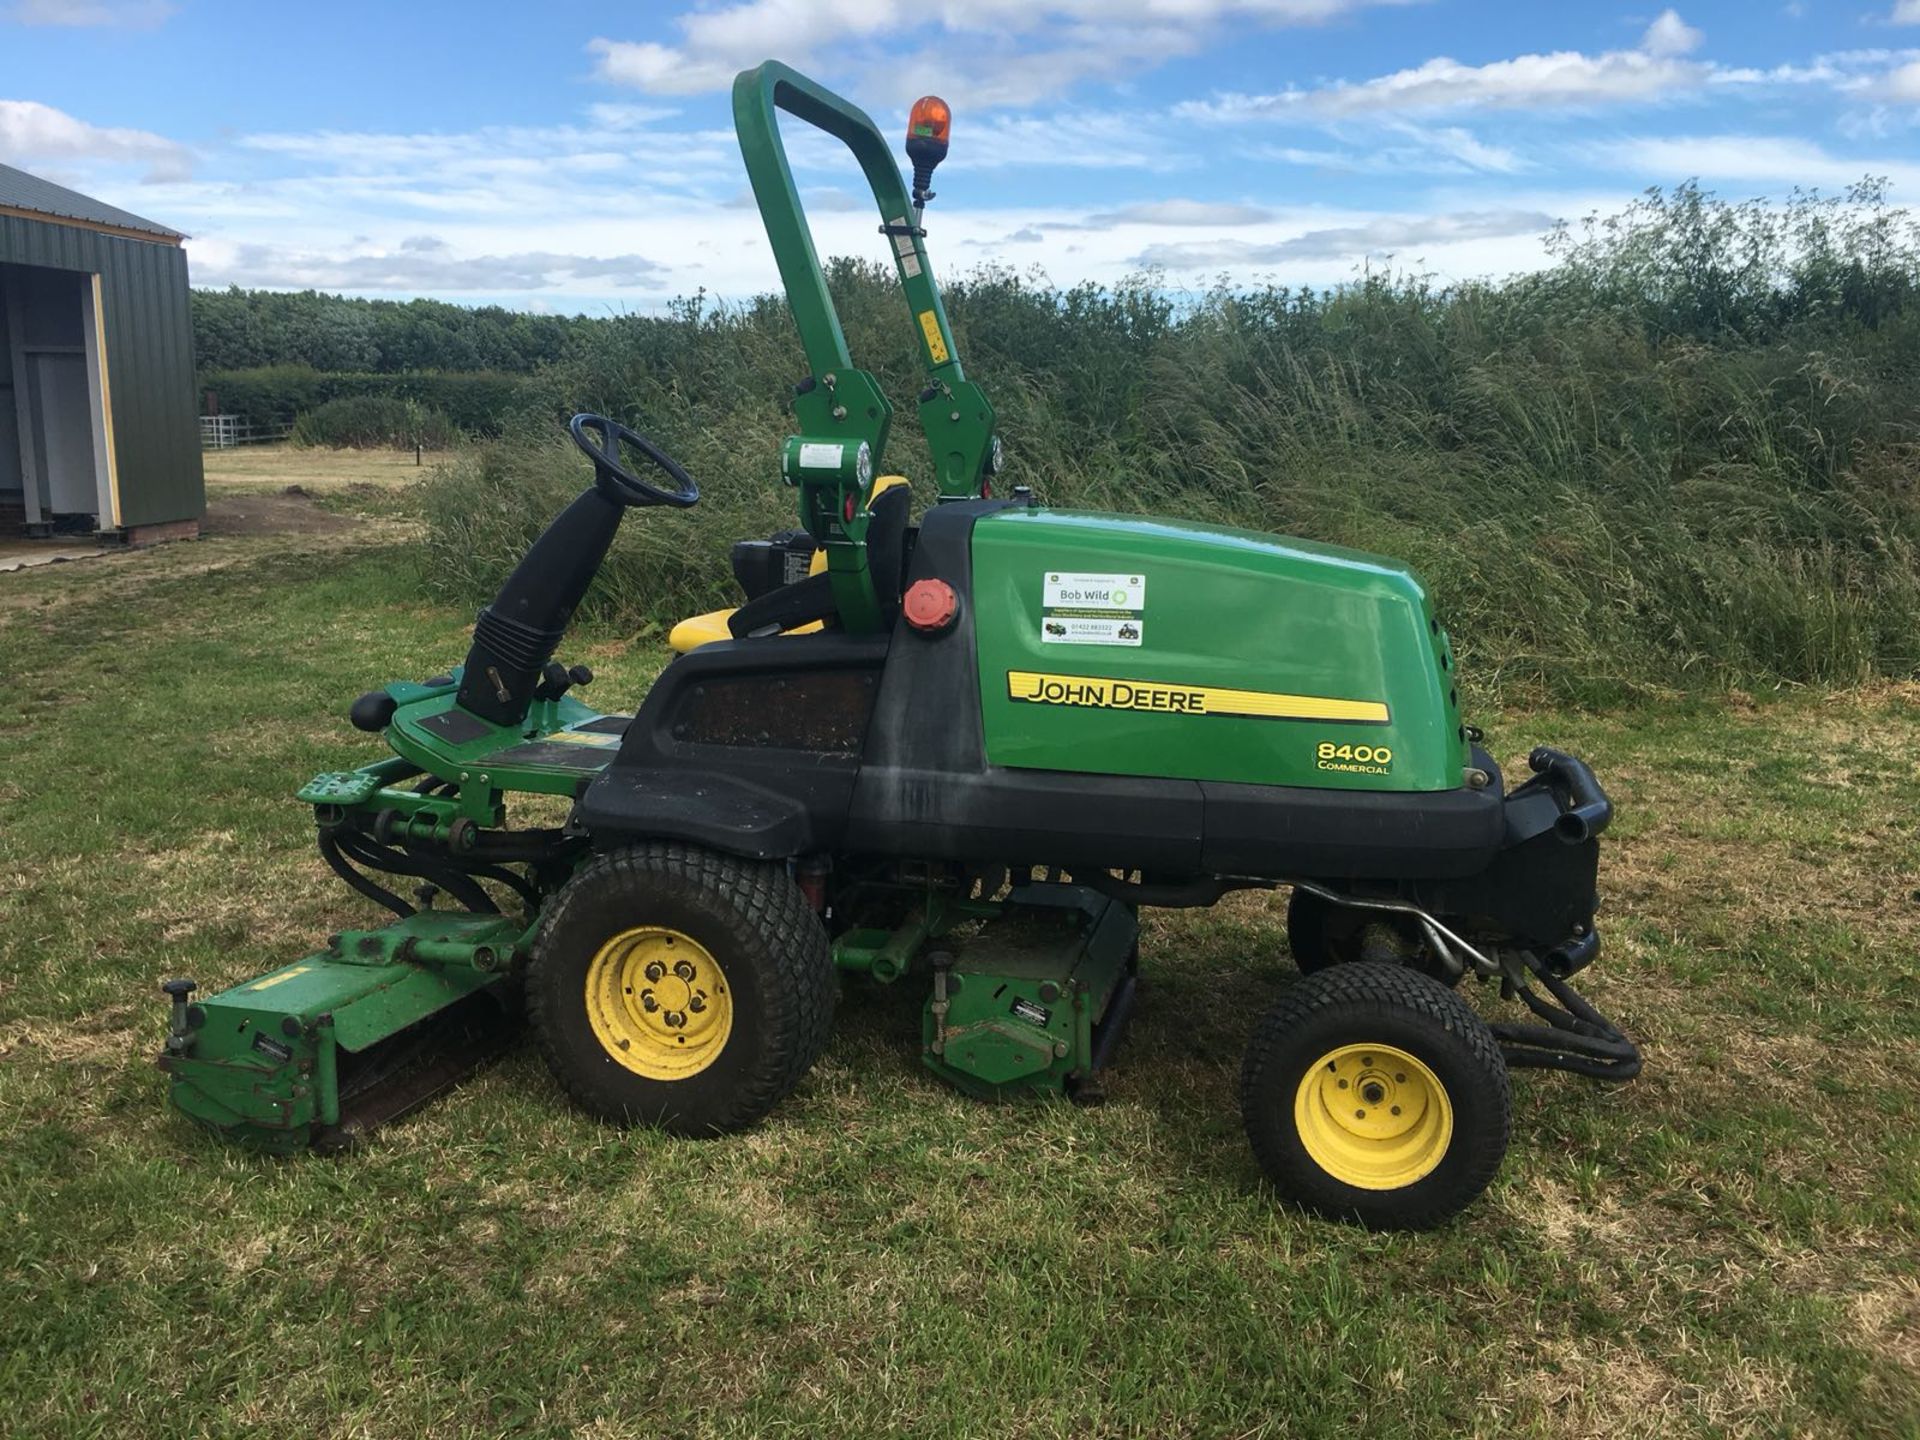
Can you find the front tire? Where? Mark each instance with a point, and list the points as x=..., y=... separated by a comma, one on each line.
x=677, y=987
x=1373, y=1093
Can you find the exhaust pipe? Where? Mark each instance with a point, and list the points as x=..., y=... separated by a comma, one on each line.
x=1588, y=809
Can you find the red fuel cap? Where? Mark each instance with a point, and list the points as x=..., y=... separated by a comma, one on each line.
x=931, y=606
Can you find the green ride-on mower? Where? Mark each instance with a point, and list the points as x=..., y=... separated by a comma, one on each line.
x=960, y=753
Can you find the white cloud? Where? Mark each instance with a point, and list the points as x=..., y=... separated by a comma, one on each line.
x=1564, y=79
x=602, y=207
x=1002, y=70
x=716, y=44
x=497, y=164
x=425, y=264
x=91, y=14
x=1208, y=213
x=1755, y=159
x=989, y=52
x=1819, y=72
x=1905, y=12
x=1063, y=140
x=1400, y=147
x=547, y=251
x=32, y=133
x=1386, y=234
x=1454, y=143
x=1670, y=35
x=1879, y=89
x=1902, y=84
x=616, y=115
x=1160, y=214
x=658, y=69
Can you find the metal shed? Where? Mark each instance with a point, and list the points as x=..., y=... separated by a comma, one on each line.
x=98, y=427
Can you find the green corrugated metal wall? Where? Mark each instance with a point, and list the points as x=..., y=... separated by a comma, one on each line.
x=149, y=328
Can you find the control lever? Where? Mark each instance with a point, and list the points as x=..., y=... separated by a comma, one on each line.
x=556, y=679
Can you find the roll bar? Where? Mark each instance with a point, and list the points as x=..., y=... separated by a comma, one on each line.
x=840, y=407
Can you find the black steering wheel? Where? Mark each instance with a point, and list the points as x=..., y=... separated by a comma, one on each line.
x=612, y=475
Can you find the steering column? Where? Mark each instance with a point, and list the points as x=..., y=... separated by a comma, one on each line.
x=515, y=636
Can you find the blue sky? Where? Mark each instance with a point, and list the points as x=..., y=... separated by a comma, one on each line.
x=579, y=156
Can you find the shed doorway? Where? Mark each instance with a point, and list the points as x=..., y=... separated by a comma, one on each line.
x=56, y=457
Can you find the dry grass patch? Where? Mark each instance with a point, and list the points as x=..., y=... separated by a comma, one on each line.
x=274, y=467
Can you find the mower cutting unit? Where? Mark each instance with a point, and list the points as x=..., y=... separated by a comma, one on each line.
x=962, y=753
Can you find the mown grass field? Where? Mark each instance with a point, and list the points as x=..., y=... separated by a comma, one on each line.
x=1726, y=1246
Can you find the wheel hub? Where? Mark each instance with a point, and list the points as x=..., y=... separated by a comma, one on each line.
x=1373, y=1116
x=658, y=1002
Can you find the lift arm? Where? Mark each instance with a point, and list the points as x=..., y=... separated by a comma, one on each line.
x=844, y=417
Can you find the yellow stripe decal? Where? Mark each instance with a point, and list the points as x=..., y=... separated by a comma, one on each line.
x=1102, y=693
x=106, y=398
x=583, y=737
x=273, y=980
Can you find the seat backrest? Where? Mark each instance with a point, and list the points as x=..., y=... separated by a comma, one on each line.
x=802, y=602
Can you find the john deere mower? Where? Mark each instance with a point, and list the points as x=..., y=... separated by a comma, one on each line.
x=960, y=753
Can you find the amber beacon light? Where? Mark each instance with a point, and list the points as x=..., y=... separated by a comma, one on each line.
x=928, y=126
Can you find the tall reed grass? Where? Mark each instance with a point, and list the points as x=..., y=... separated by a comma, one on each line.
x=1684, y=455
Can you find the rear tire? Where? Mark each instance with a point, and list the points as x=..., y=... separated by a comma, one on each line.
x=1373, y=1093
x=677, y=987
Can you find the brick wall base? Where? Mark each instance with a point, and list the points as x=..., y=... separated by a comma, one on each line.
x=138, y=535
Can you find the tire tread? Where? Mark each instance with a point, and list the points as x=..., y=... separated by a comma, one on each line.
x=1378, y=989
x=799, y=1008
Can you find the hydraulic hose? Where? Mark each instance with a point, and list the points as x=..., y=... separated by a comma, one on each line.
x=336, y=862
x=379, y=857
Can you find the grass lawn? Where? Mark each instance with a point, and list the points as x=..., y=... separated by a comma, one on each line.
x=1726, y=1246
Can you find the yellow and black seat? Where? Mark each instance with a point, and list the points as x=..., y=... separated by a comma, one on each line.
x=804, y=605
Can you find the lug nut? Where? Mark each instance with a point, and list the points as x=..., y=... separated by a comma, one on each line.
x=655, y=970
x=683, y=969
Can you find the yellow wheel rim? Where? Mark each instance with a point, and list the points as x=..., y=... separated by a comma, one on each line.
x=1373, y=1116
x=659, y=1002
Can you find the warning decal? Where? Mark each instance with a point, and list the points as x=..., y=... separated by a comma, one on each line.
x=903, y=247
x=936, y=343
x=1082, y=608
x=1102, y=693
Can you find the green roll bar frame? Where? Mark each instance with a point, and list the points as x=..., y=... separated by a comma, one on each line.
x=838, y=403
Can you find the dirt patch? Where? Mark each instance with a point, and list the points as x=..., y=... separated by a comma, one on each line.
x=291, y=512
